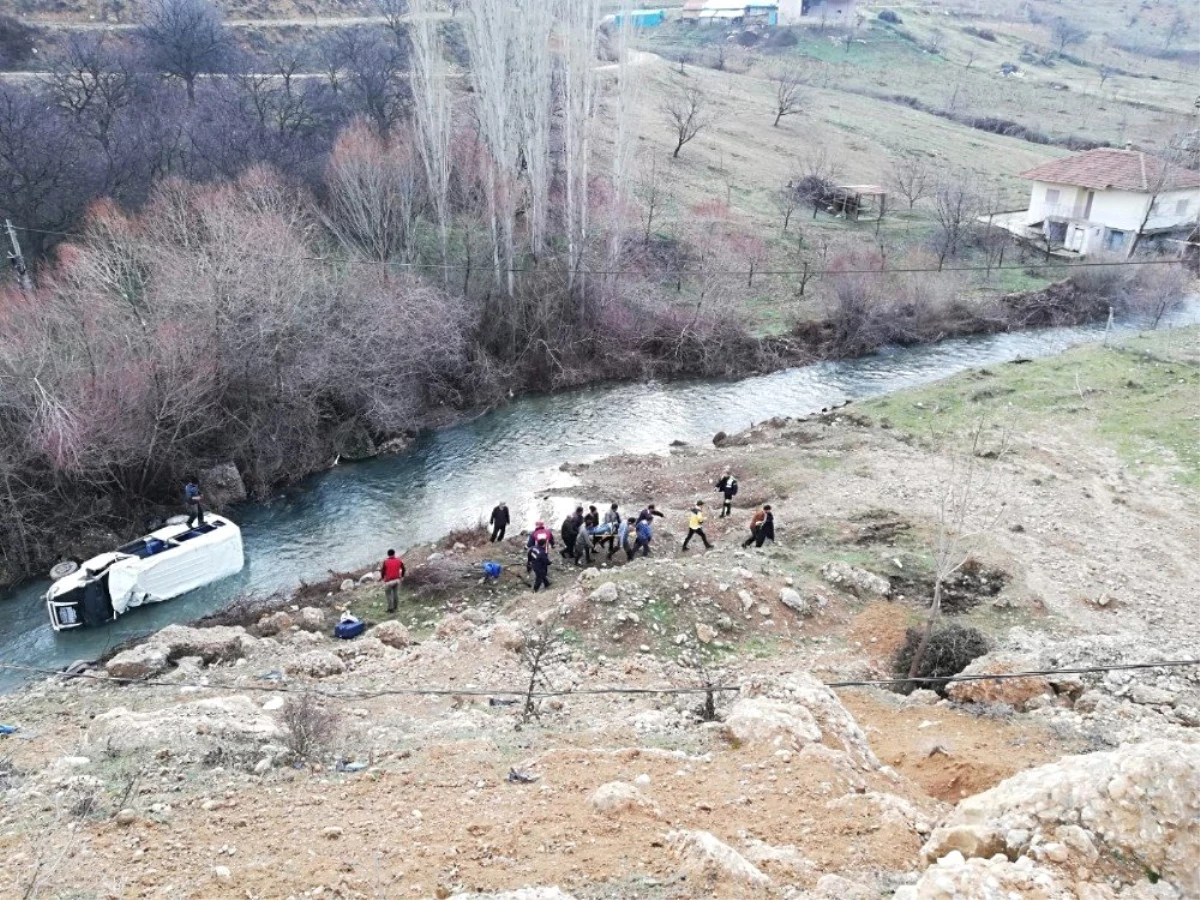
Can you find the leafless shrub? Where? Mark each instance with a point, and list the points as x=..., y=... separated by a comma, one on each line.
x=543, y=647
x=948, y=651
x=911, y=177
x=686, y=109
x=310, y=725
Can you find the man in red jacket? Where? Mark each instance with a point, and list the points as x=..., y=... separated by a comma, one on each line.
x=391, y=572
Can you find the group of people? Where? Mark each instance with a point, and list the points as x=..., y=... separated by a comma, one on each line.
x=584, y=534
x=587, y=533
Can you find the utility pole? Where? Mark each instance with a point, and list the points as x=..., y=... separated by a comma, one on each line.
x=15, y=257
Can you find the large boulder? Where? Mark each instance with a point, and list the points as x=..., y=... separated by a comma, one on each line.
x=222, y=486
x=219, y=644
x=542, y=893
x=997, y=878
x=806, y=700
x=218, y=720
x=509, y=636
x=452, y=626
x=275, y=622
x=760, y=720
x=706, y=858
x=315, y=663
x=311, y=618
x=142, y=661
x=392, y=633
x=1015, y=692
x=606, y=593
x=619, y=797
x=859, y=582
x=1141, y=800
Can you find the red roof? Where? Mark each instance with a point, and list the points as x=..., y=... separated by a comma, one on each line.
x=1122, y=170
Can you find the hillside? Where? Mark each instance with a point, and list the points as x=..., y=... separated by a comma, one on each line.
x=185, y=786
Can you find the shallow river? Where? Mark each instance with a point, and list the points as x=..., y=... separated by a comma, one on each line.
x=347, y=517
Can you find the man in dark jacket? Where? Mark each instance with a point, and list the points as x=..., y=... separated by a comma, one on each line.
x=728, y=487
x=539, y=564
x=499, y=521
x=762, y=527
x=648, y=513
x=571, y=527
x=195, y=503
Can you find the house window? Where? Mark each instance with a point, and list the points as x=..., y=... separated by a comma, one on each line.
x=1052, y=196
x=1114, y=240
x=1181, y=207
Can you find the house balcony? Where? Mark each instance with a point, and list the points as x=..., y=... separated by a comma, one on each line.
x=1063, y=212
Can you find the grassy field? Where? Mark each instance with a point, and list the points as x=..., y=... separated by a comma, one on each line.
x=1140, y=397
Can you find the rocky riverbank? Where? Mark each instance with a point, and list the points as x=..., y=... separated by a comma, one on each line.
x=260, y=739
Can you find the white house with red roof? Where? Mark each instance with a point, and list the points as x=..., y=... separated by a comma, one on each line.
x=1099, y=200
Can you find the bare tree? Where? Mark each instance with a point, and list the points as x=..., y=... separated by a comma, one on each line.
x=185, y=38
x=1162, y=175
x=94, y=84
x=1065, y=33
x=819, y=172
x=543, y=647
x=581, y=23
x=625, y=143
x=490, y=29
x=969, y=506
x=433, y=114
x=652, y=191
x=955, y=206
x=687, y=110
x=911, y=177
x=1105, y=73
x=789, y=93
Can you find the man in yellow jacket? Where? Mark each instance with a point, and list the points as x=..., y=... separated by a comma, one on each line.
x=696, y=526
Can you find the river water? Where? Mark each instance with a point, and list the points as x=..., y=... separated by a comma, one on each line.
x=347, y=517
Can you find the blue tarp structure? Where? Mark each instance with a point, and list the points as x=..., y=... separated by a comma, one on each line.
x=641, y=18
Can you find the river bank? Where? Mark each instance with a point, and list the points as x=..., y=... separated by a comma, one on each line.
x=844, y=332
x=154, y=790
x=343, y=519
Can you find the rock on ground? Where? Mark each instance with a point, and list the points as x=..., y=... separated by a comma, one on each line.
x=141, y=661
x=316, y=663
x=544, y=893
x=275, y=623
x=618, y=797
x=392, y=633
x=997, y=878
x=606, y=593
x=311, y=619
x=219, y=644
x=704, y=856
x=1142, y=800
x=1016, y=692
x=759, y=720
x=819, y=703
x=859, y=582
x=790, y=597
x=453, y=626
x=508, y=636
x=233, y=719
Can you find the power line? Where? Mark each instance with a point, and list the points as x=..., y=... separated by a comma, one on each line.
x=601, y=691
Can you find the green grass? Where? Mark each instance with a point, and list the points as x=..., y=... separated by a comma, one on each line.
x=1143, y=404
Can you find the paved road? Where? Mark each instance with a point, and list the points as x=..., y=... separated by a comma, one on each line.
x=300, y=22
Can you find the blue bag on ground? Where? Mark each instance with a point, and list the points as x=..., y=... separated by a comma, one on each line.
x=349, y=627
x=492, y=569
